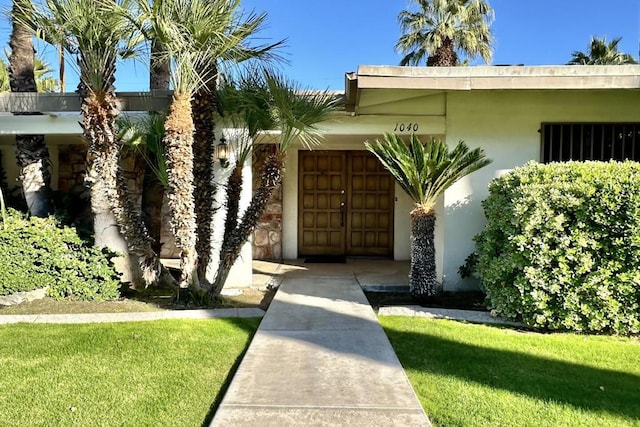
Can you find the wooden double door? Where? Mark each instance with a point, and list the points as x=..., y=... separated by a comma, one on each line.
x=345, y=204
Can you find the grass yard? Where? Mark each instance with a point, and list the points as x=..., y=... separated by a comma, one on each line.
x=168, y=372
x=474, y=375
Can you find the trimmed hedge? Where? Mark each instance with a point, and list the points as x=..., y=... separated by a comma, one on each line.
x=37, y=252
x=561, y=249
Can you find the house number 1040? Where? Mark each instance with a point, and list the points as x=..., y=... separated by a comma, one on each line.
x=406, y=127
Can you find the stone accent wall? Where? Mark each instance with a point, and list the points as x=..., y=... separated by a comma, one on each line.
x=267, y=237
x=71, y=167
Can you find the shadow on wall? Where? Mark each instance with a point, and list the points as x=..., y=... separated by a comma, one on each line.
x=468, y=217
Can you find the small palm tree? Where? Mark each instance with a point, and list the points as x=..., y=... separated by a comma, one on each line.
x=425, y=171
x=264, y=100
x=441, y=29
x=602, y=53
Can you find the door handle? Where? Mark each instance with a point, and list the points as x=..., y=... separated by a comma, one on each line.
x=342, y=210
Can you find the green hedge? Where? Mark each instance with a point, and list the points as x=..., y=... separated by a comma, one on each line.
x=37, y=252
x=561, y=249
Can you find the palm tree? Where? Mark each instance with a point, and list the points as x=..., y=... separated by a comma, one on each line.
x=153, y=189
x=264, y=100
x=602, y=53
x=96, y=32
x=440, y=30
x=171, y=22
x=32, y=153
x=240, y=30
x=425, y=171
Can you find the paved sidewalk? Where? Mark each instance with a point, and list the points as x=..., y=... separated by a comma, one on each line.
x=320, y=358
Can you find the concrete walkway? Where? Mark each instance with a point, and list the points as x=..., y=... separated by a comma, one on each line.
x=320, y=358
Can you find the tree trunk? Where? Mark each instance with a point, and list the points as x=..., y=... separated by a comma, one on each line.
x=152, y=188
x=178, y=140
x=32, y=154
x=159, y=67
x=444, y=56
x=113, y=209
x=203, y=105
x=423, y=283
x=270, y=178
x=4, y=187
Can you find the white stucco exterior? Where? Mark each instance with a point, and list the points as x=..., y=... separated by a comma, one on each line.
x=505, y=124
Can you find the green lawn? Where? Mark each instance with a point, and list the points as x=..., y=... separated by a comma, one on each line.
x=158, y=373
x=473, y=375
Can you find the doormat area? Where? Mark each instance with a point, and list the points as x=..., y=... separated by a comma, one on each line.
x=326, y=260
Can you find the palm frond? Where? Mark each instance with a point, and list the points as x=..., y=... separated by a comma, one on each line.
x=429, y=23
x=602, y=53
x=426, y=170
x=94, y=33
x=143, y=134
x=262, y=99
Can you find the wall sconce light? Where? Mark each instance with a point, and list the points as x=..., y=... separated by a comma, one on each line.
x=222, y=152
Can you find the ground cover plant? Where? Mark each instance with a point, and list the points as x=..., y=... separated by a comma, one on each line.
x=141, y=373
x=39, y=252
x=561, y=247
x=476, y=375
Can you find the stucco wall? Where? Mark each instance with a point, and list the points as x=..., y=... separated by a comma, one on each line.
x=505, y=124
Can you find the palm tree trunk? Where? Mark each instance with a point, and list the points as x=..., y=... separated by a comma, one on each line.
x=152, y=188
x=178, y=140
x=3, y=178
x=114, y=211
x=423, y=281
x=270, y=178
x=203, y=105
x=232, y=203
x=32, y=153
x=444, y=56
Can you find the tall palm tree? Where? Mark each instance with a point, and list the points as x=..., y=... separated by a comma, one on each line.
x=602, y=53
x=425, y=171
x=152, y=188
x=265, y=100
x=32, y=153
x=96, y=33
x=240, y=30
x=171, y=22
x=439, y=30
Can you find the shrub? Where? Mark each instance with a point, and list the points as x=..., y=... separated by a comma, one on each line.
x=37, y=252
x=561, y=248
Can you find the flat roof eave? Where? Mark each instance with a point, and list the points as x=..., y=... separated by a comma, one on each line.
x=544, y=77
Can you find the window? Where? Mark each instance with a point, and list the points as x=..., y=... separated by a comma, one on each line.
x=562, y=142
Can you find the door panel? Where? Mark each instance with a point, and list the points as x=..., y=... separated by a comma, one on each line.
x=370, y=208
x=322, y=183
x=346, y=204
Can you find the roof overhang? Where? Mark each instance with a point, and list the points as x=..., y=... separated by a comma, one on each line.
x=556, y=77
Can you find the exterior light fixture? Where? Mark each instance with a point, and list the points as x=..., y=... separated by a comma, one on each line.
x=222, y=152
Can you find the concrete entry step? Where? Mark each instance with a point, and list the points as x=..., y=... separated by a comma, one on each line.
x=320, y=358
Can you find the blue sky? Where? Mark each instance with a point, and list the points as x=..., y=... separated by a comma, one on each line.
x=326, y=38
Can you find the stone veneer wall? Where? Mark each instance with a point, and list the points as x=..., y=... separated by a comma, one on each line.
x=267, y=237
x=71, y=168
x=71, y=180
